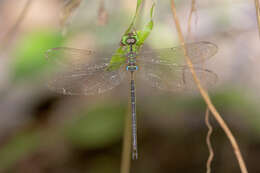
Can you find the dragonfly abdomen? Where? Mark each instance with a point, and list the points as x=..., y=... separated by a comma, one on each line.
x=134, y=127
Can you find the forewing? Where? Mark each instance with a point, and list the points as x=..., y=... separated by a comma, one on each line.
x=198, y=52
x=173, y=78
x=82, y=72
x=70, y=57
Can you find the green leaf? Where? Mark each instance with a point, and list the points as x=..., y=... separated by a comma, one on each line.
x=152, y=11
x=145, y=32
x=139, y=3
x=132, y=24
x=117, y=59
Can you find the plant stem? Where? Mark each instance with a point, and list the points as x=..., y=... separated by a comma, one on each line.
x=206, y=97
x=126, y=154
x=211, y=152
x=257, y=7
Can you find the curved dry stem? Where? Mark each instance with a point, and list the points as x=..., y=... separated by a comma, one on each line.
x=206, y=97
x=126, y=153
x=209, y=145
x=257, y=7
x=19, y=20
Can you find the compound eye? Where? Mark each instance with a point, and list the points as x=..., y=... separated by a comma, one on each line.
x=131, y=41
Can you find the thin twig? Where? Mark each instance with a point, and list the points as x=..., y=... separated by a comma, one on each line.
x=20, y=19
x=206, y=97
x=211, y=152
x=192, y=10
x=102, y=14
x=126, y=153
x=257, y=7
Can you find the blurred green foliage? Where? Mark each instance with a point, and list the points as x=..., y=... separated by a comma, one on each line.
x=29, y=55
x=109, y=165
x=82, y=131
x=101, y=126
x=98, y=127
x=20, y=146
x=95, y=128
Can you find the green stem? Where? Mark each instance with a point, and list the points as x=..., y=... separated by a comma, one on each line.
x=126, y=154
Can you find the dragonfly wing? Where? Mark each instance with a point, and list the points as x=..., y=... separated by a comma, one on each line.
x=173, y=78
x=86, y=81
x=198, y=52
x=82, y=72
x=68, y=57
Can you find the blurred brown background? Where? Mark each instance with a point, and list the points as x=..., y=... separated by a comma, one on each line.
x=42, y=131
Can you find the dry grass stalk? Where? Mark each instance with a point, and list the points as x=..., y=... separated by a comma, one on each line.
x=257, y=7
x=206, y=97
x=207, y=122
x=192, y=11
x=211, y=152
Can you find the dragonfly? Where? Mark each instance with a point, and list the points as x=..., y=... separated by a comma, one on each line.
x=87, y=72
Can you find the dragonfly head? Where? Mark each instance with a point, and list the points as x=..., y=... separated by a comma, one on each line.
x=129, y=39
